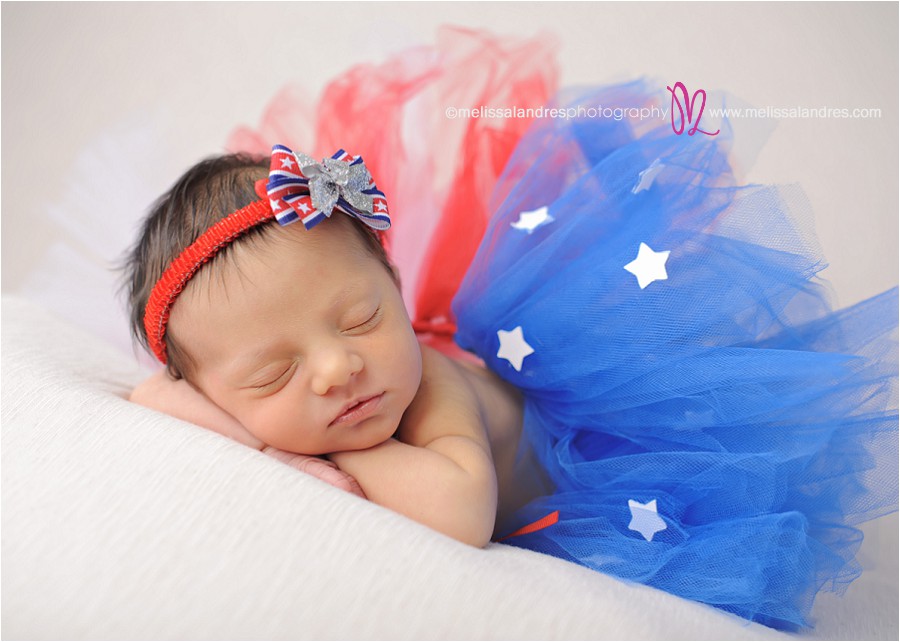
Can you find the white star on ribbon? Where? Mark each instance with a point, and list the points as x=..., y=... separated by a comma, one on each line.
x=649, y=266
x=381, y=206
x=531, y=220
x=645, y=519
x=275, y=205
x=288, y=162
x=513, y=347
x=304, y=207
x=647, y=176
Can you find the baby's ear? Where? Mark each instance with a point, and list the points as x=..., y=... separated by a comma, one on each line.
x=396, y=274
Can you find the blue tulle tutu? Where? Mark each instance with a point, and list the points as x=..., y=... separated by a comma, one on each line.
x=709, y=425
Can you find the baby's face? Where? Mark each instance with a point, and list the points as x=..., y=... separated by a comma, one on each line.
x=294, y=329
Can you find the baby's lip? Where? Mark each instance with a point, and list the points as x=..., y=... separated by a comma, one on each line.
x=356, y=401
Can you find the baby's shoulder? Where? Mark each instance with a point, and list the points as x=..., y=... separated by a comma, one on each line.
x=440, y=369
x=453, y=367
x=449, y=350
x=445, y=403
x=498, y=403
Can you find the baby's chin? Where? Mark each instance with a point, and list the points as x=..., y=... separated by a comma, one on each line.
x=371, y=436
x=361, y=437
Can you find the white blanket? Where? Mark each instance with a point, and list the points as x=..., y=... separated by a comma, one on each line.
x=119, y=522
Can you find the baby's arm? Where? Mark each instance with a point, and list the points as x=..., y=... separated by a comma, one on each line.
x=440, y=473
x=179, y=399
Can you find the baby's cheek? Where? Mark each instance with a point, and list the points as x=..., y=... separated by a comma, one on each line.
x=262, y=422
x=285, y=424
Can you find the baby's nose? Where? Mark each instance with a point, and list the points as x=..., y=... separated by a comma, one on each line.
x=334, y=368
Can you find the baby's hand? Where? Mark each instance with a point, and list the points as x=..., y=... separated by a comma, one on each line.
x=179, y=399
x=325, y=470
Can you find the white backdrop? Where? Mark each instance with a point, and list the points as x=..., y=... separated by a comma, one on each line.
x=173, y=79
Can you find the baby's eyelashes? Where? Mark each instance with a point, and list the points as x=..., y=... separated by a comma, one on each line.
x=368, y=324
x=271, y=377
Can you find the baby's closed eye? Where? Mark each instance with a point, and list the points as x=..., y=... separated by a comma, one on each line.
x=271, y=376
x=369, y=323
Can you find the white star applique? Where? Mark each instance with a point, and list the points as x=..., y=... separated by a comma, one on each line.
x=646, y=177
x=513, y=347
x=645, y=519
x=649, y=266
x=304, y=207
x=531, y=220
x=381, y=206
x=275, y=205
x=288, y=162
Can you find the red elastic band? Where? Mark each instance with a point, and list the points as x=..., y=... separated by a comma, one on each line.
x=544, y=522
x=183, y=268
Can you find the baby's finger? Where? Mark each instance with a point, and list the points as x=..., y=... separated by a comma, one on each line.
x=328, y=472
x=323, y=469
x=349, y=483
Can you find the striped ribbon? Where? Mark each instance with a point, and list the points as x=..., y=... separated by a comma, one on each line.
x=300, y=188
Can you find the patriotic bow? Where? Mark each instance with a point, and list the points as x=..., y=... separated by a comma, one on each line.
x=299, y=188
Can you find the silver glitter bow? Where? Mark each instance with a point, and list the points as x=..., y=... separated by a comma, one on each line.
x=333, y=179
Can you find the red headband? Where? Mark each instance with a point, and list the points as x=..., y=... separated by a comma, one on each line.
x=309, y=193
x=183, y=268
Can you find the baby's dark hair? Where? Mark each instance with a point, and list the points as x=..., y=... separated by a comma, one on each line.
x=208, y=192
